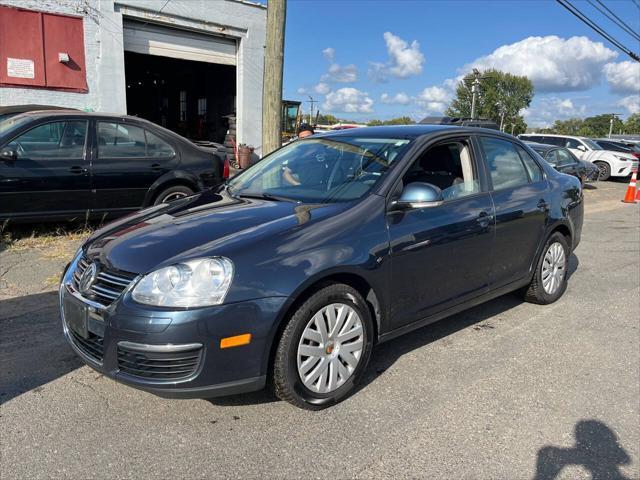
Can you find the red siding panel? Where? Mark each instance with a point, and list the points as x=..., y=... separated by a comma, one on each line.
x=21, y=51
x=64, y=34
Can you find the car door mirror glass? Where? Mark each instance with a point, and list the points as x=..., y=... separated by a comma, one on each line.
x=419, y=195
x=8, y=154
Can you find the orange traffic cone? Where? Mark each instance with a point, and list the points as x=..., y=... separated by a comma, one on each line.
x=631, y=197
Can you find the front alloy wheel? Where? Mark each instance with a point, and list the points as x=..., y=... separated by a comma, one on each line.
x=324, y=348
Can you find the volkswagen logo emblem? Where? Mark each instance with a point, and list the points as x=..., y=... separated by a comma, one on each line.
x=87, y=278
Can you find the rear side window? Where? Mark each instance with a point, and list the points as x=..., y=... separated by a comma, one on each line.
x=156, y=147
x=564, y=158
x=558, y=141
x=534, y=170
x=116, y=140
x=505, y=166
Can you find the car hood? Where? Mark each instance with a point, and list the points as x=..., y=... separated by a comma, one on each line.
x=203, y=225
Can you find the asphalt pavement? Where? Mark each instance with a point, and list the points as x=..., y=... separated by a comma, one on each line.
x=507, y=390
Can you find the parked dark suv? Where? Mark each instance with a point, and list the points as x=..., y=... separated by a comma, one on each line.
x=293, y=270
x=61, y=164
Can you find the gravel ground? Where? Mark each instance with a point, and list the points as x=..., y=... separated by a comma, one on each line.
x=507, y=390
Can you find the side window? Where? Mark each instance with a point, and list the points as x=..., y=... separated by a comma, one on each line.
x=156, y=147
x=564, y=158
x=505, y=166
x=449, y=166
x=534, y=170
x=559, y=141
x=55, y=140
x=117, y=140
x=571, y=143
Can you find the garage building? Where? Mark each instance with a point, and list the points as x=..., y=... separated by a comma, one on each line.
x=183, y=64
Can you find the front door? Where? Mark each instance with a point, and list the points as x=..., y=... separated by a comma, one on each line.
x=128, y=159
x=521, y=195
x=49, y=174
x=441, y=255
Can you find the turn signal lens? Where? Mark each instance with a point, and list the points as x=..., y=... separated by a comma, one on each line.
x=235, y=341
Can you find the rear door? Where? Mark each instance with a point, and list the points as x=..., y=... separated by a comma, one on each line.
x=521, y=194
x=50, y=174
x=128, y=159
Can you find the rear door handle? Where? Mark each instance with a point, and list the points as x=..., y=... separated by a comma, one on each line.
x=484, y=219
x=78, y=169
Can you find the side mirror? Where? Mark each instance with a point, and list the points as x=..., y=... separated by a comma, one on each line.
x=419, y=195
x=8, y=154
x=582, y=148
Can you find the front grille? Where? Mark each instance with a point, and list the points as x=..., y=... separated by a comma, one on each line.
x=159, y=366
x=92, y=347
x=108, y=286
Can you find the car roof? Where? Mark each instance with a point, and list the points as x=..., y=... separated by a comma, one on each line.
x=408, y=131
x=30, y=108
x=551, y=135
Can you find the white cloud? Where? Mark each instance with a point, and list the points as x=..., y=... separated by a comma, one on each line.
x=546, y=110
x=623, y=77
x=404, y=61
x=301, y=91
x=348, y=100
x=434, y=99
x=397, y=99
x=322, y=88
x=337, y=72
x=631, y=103
x=552, y=63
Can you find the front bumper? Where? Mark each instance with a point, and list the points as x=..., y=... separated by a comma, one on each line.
x=623, y=168
x=173, y=354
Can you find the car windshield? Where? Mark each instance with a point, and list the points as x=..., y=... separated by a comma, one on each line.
x=591, y=144
x=12, y=122
x=321, y=170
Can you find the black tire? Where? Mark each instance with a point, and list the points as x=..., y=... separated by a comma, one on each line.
x=604, y=170
x=535, y=292
x=288, y=385
x=177, y=191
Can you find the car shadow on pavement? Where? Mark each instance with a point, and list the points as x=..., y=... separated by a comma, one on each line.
x=33, y=350
x=596, y=450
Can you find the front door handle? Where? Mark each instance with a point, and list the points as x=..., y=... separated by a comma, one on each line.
x=78, y=169
x=156, y=167
x=543, y=206
x=484, y=219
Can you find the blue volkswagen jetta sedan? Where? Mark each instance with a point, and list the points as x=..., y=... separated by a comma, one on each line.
x=289, y=273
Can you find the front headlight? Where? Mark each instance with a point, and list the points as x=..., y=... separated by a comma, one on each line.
x=196, y=283
x=623, y=159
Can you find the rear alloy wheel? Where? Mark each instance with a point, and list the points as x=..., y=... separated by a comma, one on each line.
x=324, y=348
x=604, y=170
x=173, y=193
x=550, y=279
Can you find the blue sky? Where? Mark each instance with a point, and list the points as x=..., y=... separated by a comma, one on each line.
x=364, y=59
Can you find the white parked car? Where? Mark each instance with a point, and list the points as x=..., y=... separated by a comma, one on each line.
x=610, y=163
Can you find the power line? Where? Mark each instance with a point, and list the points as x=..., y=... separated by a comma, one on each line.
x=637, y=2
x=614, y=18
x=582, y=17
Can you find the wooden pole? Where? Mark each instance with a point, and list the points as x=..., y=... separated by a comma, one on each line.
x=272, y=84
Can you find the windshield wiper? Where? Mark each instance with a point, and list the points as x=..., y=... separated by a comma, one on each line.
x=266, y=196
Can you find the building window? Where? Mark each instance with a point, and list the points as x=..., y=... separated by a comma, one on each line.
x=183, y=105
x=202, y=107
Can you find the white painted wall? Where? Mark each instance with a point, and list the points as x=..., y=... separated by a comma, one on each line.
x=104, y=54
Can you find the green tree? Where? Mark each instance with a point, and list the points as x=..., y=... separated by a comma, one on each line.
x=501, y=97
x=393, y=121
x=632, y=124
x=327, y=119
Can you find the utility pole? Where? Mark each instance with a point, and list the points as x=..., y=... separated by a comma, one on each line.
x=475, y=89
x=613, y=117
x=312, y=102
x=272, y=84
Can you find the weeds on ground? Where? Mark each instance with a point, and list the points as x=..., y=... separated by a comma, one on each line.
x=53, y=240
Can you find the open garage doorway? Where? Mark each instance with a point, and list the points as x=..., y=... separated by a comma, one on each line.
x=188, y=97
